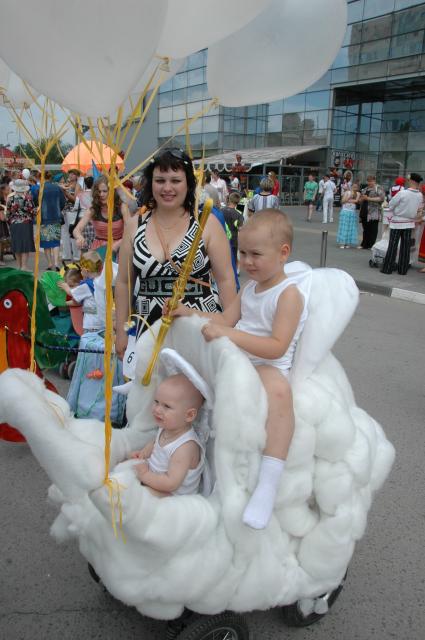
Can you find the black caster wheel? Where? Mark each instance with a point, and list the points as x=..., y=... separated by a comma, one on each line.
x=63, y=370
x=293, y=615
x=71, y=368
x=93, y=573
x=226, y=626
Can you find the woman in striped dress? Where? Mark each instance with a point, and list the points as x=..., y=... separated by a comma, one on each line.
x=154, y=248
x=98, y=216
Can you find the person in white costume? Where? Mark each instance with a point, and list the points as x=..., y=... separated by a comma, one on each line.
x=173, y=462
x=266, y=321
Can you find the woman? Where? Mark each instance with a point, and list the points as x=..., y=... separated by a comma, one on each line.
x=265, y=199
x=154, y=248
x=51, y=220
x=71, y=190
x=20, y=216
x=275, y=180
x=98, y=216
x=371, y=200
x=4, y=227
x=347, y=235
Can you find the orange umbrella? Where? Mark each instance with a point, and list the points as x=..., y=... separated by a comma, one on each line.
x=81, y=158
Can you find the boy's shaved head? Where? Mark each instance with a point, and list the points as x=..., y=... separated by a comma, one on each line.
x=275, y=221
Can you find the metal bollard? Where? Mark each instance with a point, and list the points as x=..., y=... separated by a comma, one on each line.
x=323, y=248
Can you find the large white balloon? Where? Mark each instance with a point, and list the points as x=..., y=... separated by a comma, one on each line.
x=4, y=76
x=101, y=48
x=192, y=25
x=167, y=70
x=19, y=95
x=287, y=48
x=13, y=90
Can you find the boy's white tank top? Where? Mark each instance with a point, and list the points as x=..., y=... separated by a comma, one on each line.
x=258, y=311
x=159, y=461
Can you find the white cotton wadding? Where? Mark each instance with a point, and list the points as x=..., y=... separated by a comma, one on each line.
x=321, y=606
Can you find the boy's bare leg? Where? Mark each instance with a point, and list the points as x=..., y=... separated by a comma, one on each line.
x=280, y=428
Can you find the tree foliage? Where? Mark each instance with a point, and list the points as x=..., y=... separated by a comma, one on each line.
x=55, y=155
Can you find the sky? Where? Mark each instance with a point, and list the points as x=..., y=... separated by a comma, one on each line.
x=10, y=133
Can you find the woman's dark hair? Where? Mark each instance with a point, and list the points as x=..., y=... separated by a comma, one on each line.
x=173, y=159
x=96, y=204
x=88, y=182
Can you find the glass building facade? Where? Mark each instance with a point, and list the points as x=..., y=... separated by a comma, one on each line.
x=368, y=107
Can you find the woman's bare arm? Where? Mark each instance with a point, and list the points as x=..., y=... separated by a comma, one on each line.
x=124, y=283
x=218, y=249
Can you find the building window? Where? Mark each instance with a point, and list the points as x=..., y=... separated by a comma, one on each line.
x=377, y=28
x=166, y=99
x=409, y=20
x=346, y=57
x=355, y=11
x=374, y=8
x=165, y=115
x=374, y=51
x=275, y=123
x=294, y=103
x=395, y=122
x=317, y=100
x=407, y=45
x=416, y=141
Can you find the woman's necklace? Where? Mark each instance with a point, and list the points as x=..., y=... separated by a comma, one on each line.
x=168, y=228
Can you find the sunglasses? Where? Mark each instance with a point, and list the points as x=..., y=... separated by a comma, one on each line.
x=178, y=154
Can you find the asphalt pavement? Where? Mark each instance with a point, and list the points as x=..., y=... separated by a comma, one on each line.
x=46, y=592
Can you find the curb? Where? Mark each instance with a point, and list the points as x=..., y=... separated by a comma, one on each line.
x=391, y=292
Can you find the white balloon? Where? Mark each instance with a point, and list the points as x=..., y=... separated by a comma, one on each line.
x=286, y=49
x=101, y=48
x=167, y=70
x=191, y=25
x=18, y=94
x=4, y=76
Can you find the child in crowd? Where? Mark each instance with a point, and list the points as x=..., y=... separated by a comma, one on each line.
x=172, y=464
x=265, y=320
x=234, y=220
x=86, y=392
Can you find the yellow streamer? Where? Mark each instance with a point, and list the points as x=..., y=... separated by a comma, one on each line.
x=178, y=290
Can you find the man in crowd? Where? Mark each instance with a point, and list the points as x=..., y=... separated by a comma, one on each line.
x=405, y=211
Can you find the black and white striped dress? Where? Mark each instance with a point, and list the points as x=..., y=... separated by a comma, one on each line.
x=155, y=280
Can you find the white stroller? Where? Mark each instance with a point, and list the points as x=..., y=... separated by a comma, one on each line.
x=193, y=552
x=380, y=247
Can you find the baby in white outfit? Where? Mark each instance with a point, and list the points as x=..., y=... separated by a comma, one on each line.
x=173, y=462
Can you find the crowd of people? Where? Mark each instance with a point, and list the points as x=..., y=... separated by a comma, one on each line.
x=401, y=210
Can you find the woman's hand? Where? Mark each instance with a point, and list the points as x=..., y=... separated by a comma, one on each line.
x=180, y=311
x=121, y=341
x=80, y=241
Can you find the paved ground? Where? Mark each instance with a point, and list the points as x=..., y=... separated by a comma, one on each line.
x=45, y=590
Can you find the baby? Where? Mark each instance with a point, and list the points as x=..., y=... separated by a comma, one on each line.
x=172, y=464
x=265, y=320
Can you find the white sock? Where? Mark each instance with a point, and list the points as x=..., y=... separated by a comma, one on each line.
x=259, y=509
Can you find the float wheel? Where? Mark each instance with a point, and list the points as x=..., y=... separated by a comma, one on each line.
x=226, y=626
x=294, y=617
